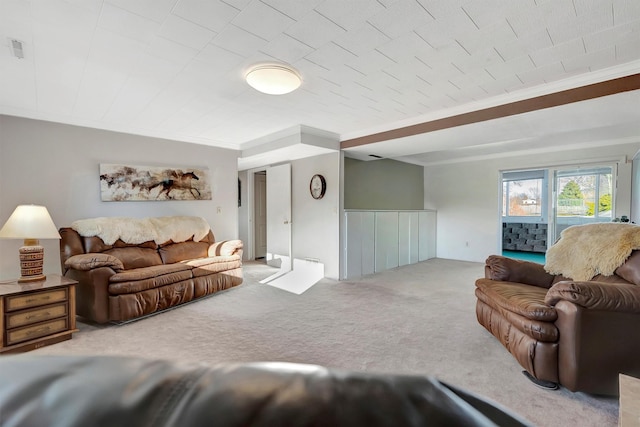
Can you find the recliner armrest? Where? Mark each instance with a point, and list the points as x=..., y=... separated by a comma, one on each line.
x=605, y=296
x=511, y=270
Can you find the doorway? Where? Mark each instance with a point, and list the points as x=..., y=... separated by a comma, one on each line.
x=260, y=214
x=270, y=215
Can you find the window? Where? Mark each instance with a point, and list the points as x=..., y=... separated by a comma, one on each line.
x=586, y=193
x=523, y=194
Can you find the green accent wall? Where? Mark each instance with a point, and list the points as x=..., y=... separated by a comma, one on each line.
x=383, y=184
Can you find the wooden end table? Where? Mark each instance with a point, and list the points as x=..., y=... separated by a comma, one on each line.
x=36, y=314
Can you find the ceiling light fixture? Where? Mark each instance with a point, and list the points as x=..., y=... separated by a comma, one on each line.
x=273, y=79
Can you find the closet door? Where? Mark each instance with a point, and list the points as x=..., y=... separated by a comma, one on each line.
x=408, y=237
x=360, y=235
x=427, y=224
x=386, y=240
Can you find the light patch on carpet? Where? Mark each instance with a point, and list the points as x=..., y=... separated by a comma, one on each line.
x=285, y=266
x=304, y=275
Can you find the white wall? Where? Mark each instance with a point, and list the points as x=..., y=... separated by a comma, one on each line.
x=243, y=211
x=58, y=166
x=315, y=227
x=316, y=223
x=466, y=196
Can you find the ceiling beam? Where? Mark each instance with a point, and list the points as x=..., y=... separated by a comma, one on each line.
x=583, y=93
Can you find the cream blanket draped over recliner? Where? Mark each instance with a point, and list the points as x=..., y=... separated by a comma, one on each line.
x=584, y=251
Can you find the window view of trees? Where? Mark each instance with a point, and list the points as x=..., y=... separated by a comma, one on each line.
x=586, y=195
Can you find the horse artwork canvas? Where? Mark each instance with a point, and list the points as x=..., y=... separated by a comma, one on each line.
x=140, y=183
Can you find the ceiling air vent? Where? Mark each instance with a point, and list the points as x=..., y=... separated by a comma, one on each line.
x=16, y=48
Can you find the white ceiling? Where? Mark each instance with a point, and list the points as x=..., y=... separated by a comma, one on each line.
x=174, y=68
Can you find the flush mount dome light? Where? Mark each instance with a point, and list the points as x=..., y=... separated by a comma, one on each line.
x=273, y=79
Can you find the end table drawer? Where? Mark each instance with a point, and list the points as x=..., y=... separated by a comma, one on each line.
x=36, y=299
x=28, y=317
x=36, y=331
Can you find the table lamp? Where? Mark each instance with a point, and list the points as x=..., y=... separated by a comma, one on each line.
x=30, y=222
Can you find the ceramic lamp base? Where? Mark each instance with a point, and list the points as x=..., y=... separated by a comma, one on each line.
x=31, y=262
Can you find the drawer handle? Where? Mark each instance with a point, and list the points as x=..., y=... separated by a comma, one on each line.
x=36, y=316
x=38, y=331
x=43, y=298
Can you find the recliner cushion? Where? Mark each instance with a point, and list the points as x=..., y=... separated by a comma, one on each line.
x=525, y=300
x=539, y=330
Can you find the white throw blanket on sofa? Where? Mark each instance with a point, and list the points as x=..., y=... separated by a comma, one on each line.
x=584, y=251
x=140, y=230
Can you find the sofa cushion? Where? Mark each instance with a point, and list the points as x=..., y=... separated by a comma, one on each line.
x=525, y=300
x=95, y=244
x=147, y=272
x=136, y=257
x=630, y=270
x=139, y=279
x=176, y=252
x=214, y=264
x=123, y=307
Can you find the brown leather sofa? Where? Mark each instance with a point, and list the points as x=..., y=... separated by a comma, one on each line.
x=579, y=334
x=121, y=281
x=68, y=391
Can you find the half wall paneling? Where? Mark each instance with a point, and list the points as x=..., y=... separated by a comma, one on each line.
x=380, y=240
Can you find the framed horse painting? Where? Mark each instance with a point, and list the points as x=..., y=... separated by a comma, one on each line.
x=136, y=183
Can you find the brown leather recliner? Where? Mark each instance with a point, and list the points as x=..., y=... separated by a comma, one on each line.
x=579, y=334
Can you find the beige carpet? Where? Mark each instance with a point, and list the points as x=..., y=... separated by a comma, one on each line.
x=418, y=319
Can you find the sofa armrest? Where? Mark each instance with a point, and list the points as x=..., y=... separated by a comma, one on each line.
x=604, y=296
x=92, y=292
x=511, y=270
x=86, y=262
x=226, y=248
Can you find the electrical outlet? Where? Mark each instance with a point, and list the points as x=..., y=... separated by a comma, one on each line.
x=219, y=210
x=466, y=244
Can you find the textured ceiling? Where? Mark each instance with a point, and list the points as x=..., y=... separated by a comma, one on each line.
x=174, y=68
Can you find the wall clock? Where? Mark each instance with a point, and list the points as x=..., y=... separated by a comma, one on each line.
x=317, y=186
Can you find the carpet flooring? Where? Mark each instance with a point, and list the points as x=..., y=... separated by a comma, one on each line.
x=417, y=319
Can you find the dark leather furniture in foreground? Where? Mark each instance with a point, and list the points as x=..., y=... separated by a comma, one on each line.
x=580, y=334
x=57, y=391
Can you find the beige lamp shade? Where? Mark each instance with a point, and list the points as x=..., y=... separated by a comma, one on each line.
x=29, y=222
